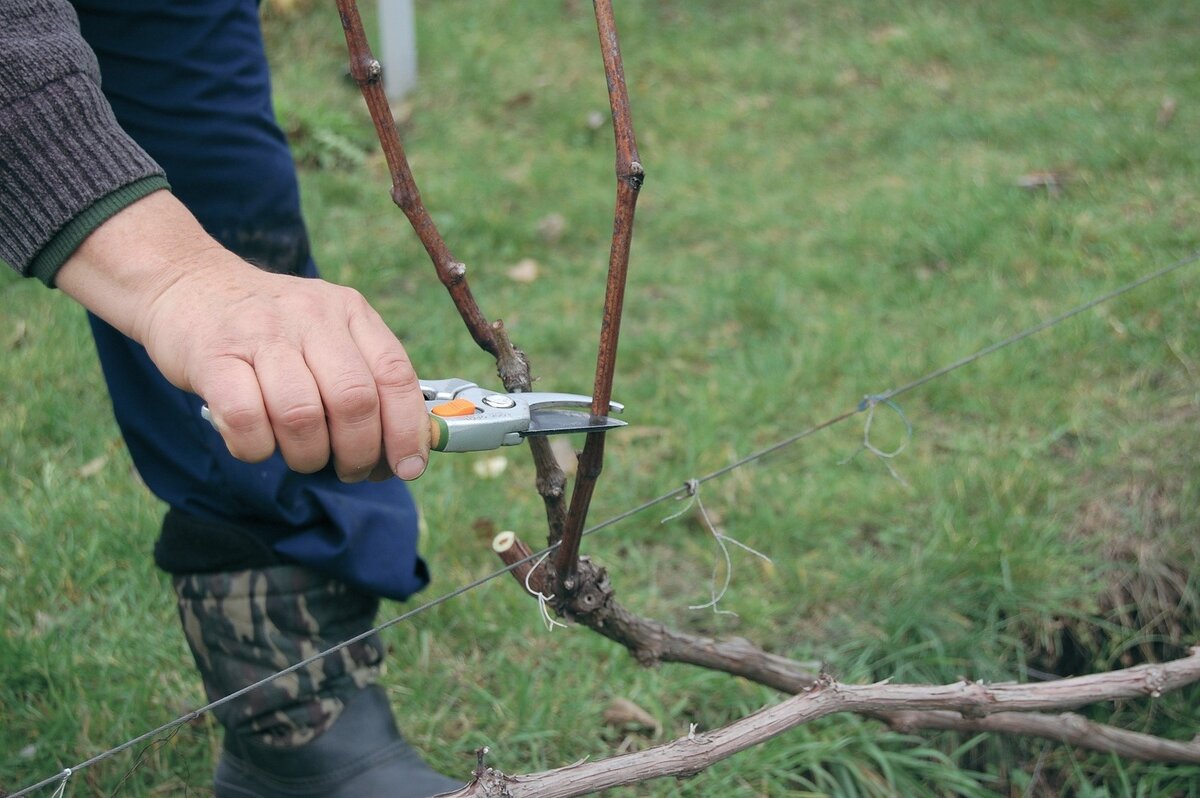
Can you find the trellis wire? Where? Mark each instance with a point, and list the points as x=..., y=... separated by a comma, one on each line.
x=868, y=401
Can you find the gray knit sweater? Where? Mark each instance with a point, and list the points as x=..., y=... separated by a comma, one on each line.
x=65, y=164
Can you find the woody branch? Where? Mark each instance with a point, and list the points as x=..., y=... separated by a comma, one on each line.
x=368, y=74
x=630, y=176
x=973, y=701
x=511, y=363
x=650, y=642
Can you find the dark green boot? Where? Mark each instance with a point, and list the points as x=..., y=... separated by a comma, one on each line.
x=324, y=731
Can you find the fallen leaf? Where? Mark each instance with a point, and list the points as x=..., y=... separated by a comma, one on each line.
x=888, y=33
x=551, y=228
x=1118, y=327
x=490, y=467
x=1166, y=111
x=519, y=100
x=621, y=713
x=93, y=467
x=17, y=338
x=402, y=111
x=484, y=528
x=564, y=453
x=43, y=622
x=1052, y=182
x=846, y=77
x=284, y=7
x=526, y=271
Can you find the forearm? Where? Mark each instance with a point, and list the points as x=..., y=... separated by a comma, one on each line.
x=65, y=164
x=128, y=262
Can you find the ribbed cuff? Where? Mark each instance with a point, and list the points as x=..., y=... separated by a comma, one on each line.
x=49, y=260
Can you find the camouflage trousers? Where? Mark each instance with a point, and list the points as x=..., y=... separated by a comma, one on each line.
x=244, y=626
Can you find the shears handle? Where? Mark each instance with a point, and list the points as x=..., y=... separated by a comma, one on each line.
x=462, y=425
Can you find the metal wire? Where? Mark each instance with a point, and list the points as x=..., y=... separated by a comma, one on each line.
x=61, y=777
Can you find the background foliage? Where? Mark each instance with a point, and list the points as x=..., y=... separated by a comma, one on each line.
x=832, y=208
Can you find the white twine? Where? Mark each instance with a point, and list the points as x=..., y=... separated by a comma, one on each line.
x=62, y=785
x=543, y=599
x=715, y=595
x=869, y=403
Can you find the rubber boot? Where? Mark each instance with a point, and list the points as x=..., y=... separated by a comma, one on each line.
x=323, y=731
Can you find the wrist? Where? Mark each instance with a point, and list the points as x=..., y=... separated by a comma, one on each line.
x=125, y=266
x=47, y=263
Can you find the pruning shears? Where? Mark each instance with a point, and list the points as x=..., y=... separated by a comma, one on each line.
x=466, y=418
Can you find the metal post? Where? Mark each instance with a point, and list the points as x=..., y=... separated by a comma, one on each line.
x=398, y=43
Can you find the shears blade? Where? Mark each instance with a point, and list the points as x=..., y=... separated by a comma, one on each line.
x=553, y=421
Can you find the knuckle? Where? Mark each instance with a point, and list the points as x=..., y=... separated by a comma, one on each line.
x=242, y=421
x=354, y=299
x=355, y=401
x=246, y=434
x=302, y=422
x=395, y=372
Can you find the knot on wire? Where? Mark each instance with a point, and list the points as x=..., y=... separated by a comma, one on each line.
x=543, y=599
x=872, y=399
x=692, y=486
x=715, y=594
x=869, y=403
x=61, y=790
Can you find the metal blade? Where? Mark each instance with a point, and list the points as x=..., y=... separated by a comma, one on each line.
x=557, y=422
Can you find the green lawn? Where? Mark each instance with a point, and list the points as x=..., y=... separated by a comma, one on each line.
x=831, y=209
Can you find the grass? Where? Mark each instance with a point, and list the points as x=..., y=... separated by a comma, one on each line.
x=831, y=210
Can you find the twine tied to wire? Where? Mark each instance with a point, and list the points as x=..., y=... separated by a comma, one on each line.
x=693, y=492
x=869, y=403
x=62, y=785
x=542, y=598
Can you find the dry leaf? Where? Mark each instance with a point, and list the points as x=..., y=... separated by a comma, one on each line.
x=283, y=7
x=484, y=528
x=43, y=622
x=1052, y=182
x=524, y=272
x=888, y=33
x=17, y=338
x=402, y=112
x=93, y=467
x=519, y=100
x=490, y=467
x=621, y=713
x=564, y=453
x=1166, y=111
x=551, y=228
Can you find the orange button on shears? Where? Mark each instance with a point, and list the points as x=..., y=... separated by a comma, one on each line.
x=454, y=408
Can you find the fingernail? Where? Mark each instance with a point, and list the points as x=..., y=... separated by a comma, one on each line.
x=410, y=467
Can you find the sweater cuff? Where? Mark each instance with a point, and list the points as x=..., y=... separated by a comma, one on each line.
x=49, y=260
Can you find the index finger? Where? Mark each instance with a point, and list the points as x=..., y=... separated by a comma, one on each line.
x=236, y=409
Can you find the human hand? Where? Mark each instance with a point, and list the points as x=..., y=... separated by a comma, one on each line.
x=284, y=361
x=299, y=363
